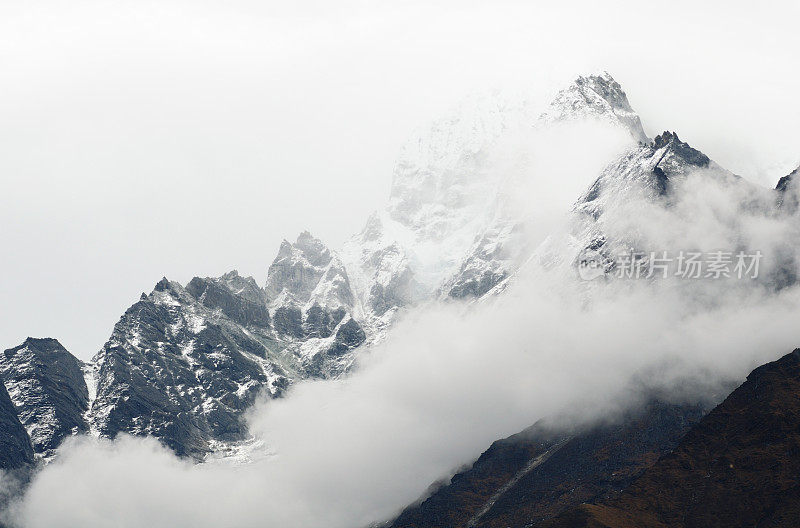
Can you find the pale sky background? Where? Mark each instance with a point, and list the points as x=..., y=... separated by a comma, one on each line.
x=143, y=139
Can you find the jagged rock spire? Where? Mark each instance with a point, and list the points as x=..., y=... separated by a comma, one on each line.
x=307, y=272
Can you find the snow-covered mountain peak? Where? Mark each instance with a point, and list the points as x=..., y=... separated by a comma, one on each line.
x=446, y=177
x=163, y=285
x=166, y=292
x=313, y=249
x=596, y=97
x=615, y=215
x=453, y=205
x=462, y=132
x=245, y=287
x=646, y=168
x=673, y=146
x=307, y=273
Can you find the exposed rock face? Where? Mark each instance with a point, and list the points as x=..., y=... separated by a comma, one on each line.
x=738, y=467
x=237, y=297
x=314, y=305
x=307, y=272
x=645, y=173
x=788, y=193
x=650, y=179
x=541, y=472
x=348, y=336
x=47, y=386
x=648, y=168
x=289, y=322
x=785, y=181
x=182, y=364
x=491, y=260
x=320, y=322
x=15, y=444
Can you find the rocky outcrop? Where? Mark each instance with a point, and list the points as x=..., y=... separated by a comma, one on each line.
x=315, y=307
x=786, y=181
x=46, y=384
x=649, y=169
x=182, y=364
x=15, y=444
x=307, y=273
x=239, y=298
x=788, y=193
x=348, y=336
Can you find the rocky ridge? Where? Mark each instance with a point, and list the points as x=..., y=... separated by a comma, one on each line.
x=46, y=384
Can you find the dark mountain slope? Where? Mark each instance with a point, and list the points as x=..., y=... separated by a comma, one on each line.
x=740, y=466
x=537, y=474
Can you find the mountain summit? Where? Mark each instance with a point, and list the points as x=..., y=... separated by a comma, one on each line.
x=596, y=97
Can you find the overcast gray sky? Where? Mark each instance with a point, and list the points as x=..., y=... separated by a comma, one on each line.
x=142, y=139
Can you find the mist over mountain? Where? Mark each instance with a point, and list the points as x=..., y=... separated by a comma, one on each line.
x=183, y=364
x=350, y=380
